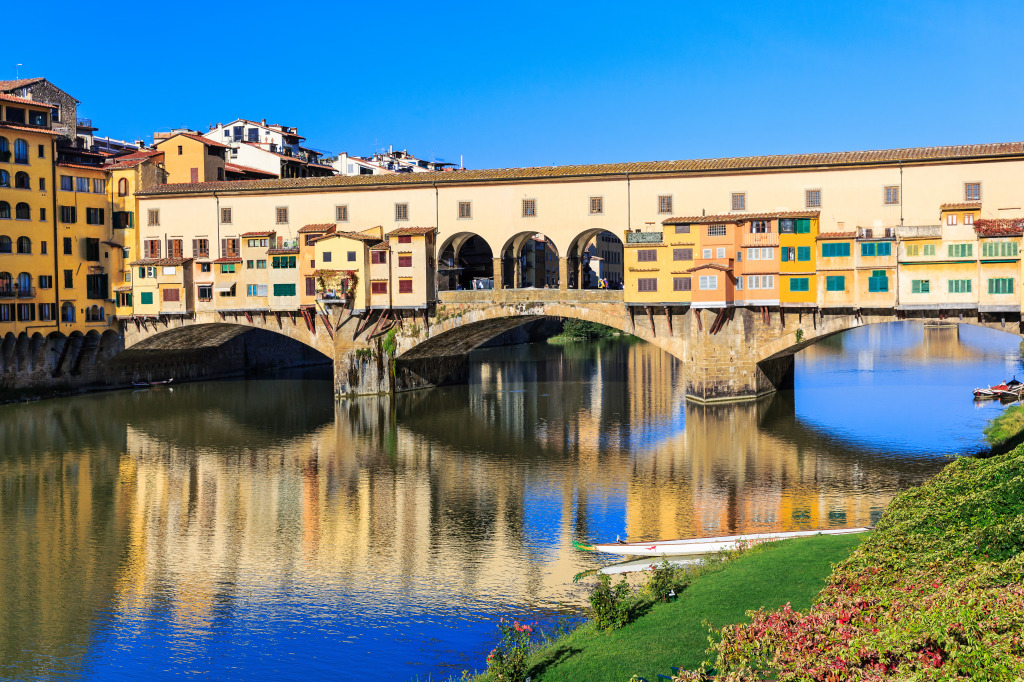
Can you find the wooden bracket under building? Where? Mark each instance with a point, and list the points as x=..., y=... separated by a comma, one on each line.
x=668, y=318
x=327, y=324
x=700, y=325
x=650, y=316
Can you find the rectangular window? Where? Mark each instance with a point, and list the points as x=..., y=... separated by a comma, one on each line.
x=66, y=184
x=998, y=249
x=646, y=255
x=708, y=282
x=146, y=298
x=835, y=250
x=878, y=282
x=972, y=191
x=665, y=203
x=261, y=265
x=720, y=252
x=283, y=262
x=739, y=201
x=172, y=295
x=647, y=284
x=151, y=248
x=968, y=218
x=326, y=257
x=153, y=216
x=92, y=249
x=788, y=254
x=284, y=290
x=705, y=253
x=68, y=215
x=351, y=256
x=250, y=290
x=378, y=257
x=920, y=286
x=81, y=184
x=67, y=246
x=761, y=253
x=682, y=229
x=378, y=287
x=813, y=198
x=250, y=264
x=803, y=253
x=913, y=249
x=405, y=261
x=835, y=283
x=961, y=250
x=596, y=205
x=465, y=210
x=401, y=211
x=929, y=250
x=761, y=282
x=227, y=268
x=681, y=284
x=529, y=208
x=799, y=284
x=281, y=215
x=959, y=286
x=225, y=215
x=45, y=281
x=802, y=226
x=1000, y=285
x=716, y=230
x=405, y=239
x=94, y=216
x=892, y=195
x=759, y=227
x=341, y=213
x=951, y=219
x=69, y=280
x=739, y=283
x=99, y=186
x=682, y=254
x=405, y=286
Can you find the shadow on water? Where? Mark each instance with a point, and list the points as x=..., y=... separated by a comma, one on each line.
x=259, y=529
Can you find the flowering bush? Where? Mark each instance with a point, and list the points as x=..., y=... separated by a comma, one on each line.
x=507, y=661
x=935, y=593
x=613, y=606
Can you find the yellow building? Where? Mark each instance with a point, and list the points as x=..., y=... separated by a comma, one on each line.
x=836, y=270
x=657, y=264
x=412, y=268
x=190, y=157
x=28, y=289
x=798, y=260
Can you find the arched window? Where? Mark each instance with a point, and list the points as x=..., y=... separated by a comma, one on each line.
x=5, y=179
x=5, y=210
x=5, y=243
x=22, y=181
x=25, y=282
x=122, y=187
x=6, y=284
x=20, y=151
x=94, y=314
x=5, y=149
x=67, y=311
x=24, y=245
x=22, y=211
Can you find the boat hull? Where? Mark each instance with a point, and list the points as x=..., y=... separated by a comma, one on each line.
x=699, y=546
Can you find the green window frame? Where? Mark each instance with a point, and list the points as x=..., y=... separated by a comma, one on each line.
x=284, y=290
x=799, y=284
x=1000, y=285
x=227, y=267
x=920, y=286
x=929, y=250
x=803, y=226
x=913, y=249
x=146, y=297
x=878, y=282
x=282, y=262
x=835, y=250
x=959, y=286
x=867, y=249
x=961, y=250
x=835, y=283
x=803, y=253
x=261, y=265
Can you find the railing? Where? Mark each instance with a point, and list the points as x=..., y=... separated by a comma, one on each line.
x=919, y=232
x=87, y=122
x=6, y=293
x=27, y=292
x=644, y=237
x=876, y=233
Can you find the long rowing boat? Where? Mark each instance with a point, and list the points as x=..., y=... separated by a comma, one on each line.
x=697, y=546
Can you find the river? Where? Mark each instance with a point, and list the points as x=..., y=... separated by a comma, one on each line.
x=260, y=530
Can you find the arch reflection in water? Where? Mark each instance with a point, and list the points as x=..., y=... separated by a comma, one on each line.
x=247, y=529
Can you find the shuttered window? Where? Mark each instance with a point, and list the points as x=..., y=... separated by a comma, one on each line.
x=378, y=287
x=959, y=286
x=646, y=255
x=647, y=284
x=1000, y=285
x=682, y=254
x=405, y=286
x=284, y=290
x=172, y=295
x=835, y=283
x=681, y=284
x=920, y=286
x=799, y=284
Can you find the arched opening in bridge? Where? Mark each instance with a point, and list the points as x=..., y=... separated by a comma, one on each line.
x=465, y=261
x=529, y=260
x=594, y=260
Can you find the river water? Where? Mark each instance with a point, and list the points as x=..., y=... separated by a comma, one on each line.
x=260, y=530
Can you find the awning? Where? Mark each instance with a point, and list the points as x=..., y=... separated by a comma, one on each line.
x=229, y=287
x=204, y=284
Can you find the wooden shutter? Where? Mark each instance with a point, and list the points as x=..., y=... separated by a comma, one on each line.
x=310, y=286
x=195, y=248
x=223, y=248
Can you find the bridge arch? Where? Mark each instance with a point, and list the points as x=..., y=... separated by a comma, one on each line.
x=463, y=258
x=529, y=260
x=603, y=244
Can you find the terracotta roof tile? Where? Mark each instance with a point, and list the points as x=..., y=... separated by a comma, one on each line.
x=837, y=235
x=123, y=287
x=317, y=227
x=410, y=231
x=228, y=260
x=290, y=251
x=238, y=168
x=29, y=129
x=999, y=227
x=258, y=234
x=20, y=83
x=82, y=167
x=24, y=100
x=739, y=217
x=962, y=206
x=379, y=246
x=725, y=165
x=711, y=266
x=160, y=261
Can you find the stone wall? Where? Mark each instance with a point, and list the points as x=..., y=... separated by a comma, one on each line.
x=46, y=92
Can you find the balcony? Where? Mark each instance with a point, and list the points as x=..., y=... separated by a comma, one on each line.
x=17, y=292
x=644, y=237
x=876, y=233
x=919, y=232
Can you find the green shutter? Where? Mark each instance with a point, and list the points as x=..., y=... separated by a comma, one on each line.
x=146, y=297
x=142, y=273
x=803, y=253
x=867, y=249
x=803, y=226
x=785, y=254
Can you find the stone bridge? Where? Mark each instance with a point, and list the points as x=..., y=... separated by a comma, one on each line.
x=727, y=353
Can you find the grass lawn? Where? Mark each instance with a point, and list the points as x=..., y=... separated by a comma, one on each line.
x=673, y=634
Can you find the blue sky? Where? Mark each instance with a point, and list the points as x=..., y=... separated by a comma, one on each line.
x=522, y=84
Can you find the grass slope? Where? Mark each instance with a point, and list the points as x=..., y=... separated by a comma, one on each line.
x=673, y=634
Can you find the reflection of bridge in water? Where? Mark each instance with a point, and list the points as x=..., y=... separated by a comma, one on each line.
x=180, y=496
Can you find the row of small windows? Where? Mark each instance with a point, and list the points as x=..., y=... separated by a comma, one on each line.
x=20, y=151
x=83, y=185
x=26, y=312
x=877, y=282
x=22, y=211
x=24, y=245
x=21, y=180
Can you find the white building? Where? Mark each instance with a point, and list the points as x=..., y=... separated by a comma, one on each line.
x=273, y=148
x=391, y=161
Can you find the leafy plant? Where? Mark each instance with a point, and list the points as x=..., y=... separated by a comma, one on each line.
x=666, y=580
x=390, y=343
x=612, y=605
x=507, y=661
x=799, y=335
x=581, y=329
x=1004, y=427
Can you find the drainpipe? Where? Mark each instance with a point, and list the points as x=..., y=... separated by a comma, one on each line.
x=629, y=211
x=57, y=245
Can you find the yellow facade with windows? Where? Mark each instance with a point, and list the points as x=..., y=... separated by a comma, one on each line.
x=192, y=158
x=797, y=260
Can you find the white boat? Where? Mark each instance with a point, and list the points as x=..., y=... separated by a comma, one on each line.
x=698, y=546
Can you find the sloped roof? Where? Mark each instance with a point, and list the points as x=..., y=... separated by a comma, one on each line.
x=999, y=227
x=710, y=266
x=28, y=129
x=160, y=261
x=723, y=165
x=410, y=231
x=739, y=217
x=962, y=206
x=265, y=233
x=239, y=168
x=316, y=227
x=837, y=235
x=22, y=100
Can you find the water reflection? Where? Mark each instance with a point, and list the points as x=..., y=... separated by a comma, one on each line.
x=261, y=530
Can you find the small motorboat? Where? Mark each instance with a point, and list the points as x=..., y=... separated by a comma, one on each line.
x=1008, y=389
x=698, y=546
x=148, y=384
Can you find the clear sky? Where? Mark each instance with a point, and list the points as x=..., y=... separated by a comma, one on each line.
x=522, y=84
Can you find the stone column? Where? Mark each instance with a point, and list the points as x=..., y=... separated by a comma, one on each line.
x=563, y=273
x=497, y=273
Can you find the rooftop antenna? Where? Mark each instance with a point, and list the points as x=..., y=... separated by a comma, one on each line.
x=17, y=71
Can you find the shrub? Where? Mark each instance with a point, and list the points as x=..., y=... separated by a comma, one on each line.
x=580, y=329
x=1006, y=426
x=507, y=661
x=666, y=579
x=612, y=605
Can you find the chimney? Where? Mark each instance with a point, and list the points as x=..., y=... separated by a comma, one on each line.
x=263, y=122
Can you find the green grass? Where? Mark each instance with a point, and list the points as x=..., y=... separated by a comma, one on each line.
x=1006, y=426
x=674, y=634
